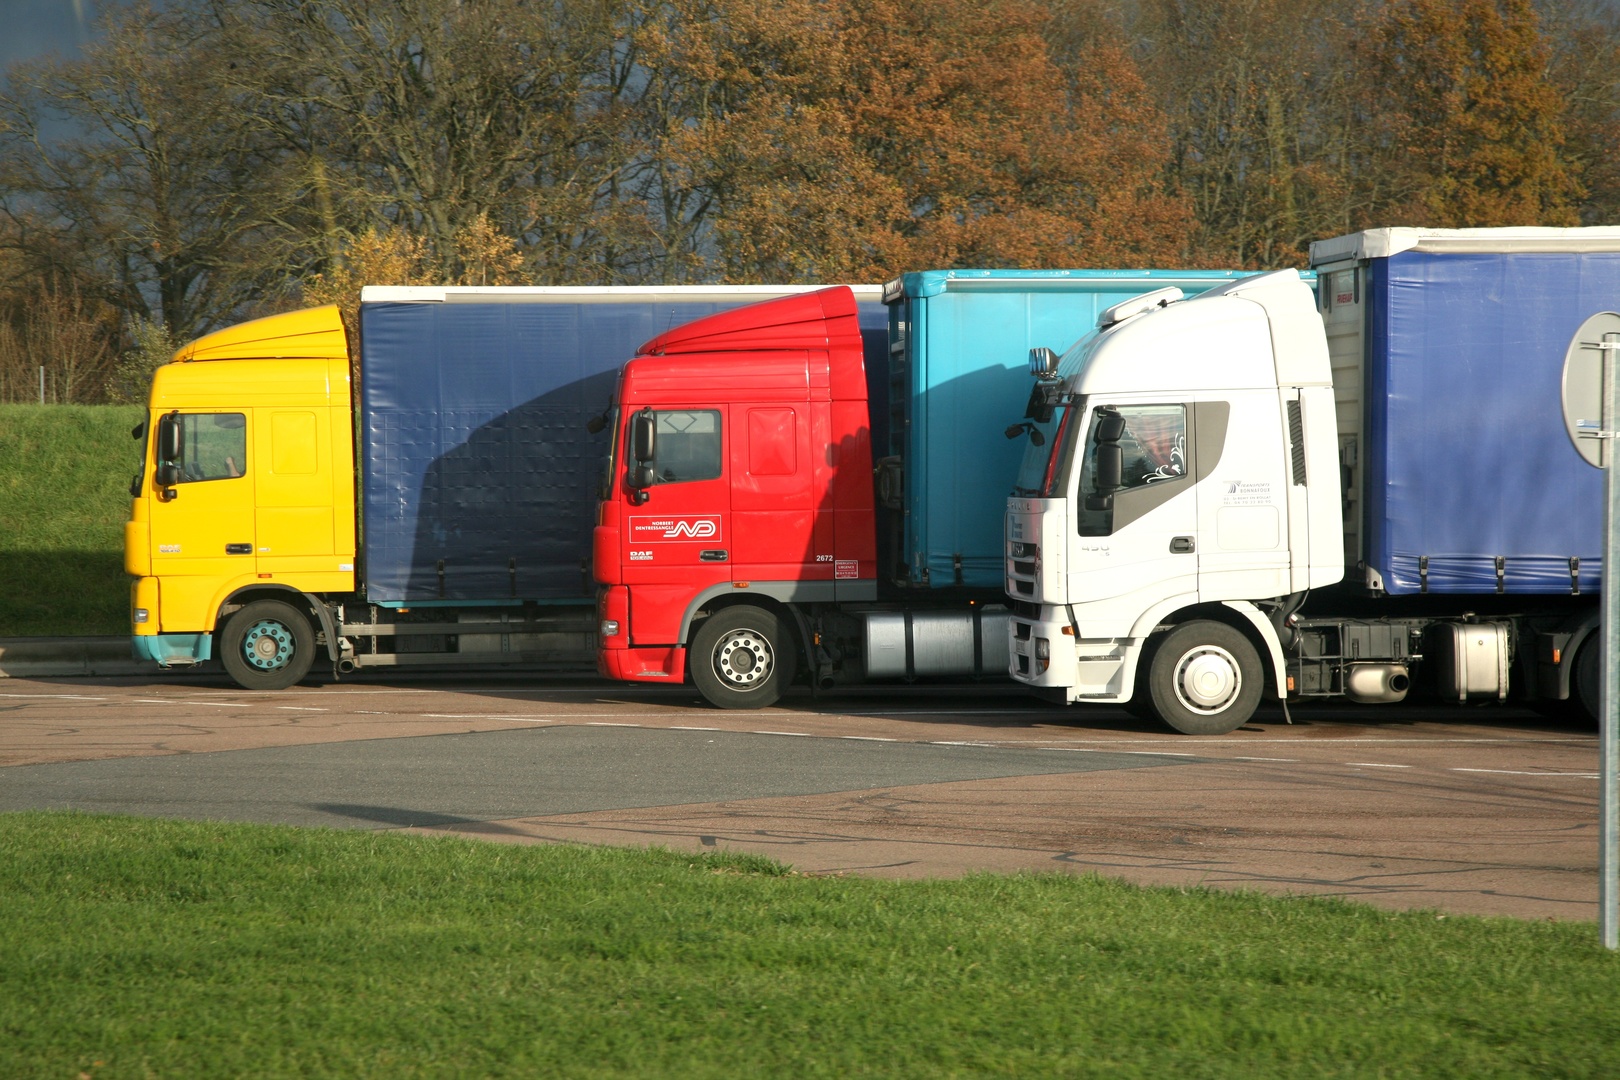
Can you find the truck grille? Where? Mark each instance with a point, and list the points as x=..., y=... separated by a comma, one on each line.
x=1023, y=565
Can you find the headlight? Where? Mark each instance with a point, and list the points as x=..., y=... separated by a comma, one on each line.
x=609, y=628
x=1043, y=654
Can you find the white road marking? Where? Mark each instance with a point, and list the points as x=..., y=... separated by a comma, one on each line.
x=795, y=734
x=490, y=716
x=58, y=697
x=190, y=701
x=1375, y=765
x=1528, y=772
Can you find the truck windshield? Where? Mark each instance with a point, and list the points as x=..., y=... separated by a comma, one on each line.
x=1040, y=474
x=1051, y=446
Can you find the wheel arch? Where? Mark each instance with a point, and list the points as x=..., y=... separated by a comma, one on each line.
x=782, y=600
x=317, y=609
x=1585, y=627
x=1242, y=616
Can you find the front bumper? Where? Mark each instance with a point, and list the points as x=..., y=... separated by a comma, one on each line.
x=172, y=650
x=661, y=664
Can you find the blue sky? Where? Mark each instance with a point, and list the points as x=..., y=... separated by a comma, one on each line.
x=31, y=27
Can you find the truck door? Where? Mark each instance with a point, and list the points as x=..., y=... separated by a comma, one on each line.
x=202, y=522
x=679, y=540
x=1243, y=506
x=293, y=486
x=777, y=532
x=1135, y=545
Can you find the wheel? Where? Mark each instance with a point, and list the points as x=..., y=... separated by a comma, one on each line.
x=1205, y=679
x=1586, y=682
x=741, y=658
x=268, y=645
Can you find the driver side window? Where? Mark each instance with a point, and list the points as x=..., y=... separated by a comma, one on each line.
x=1153, y=449
x=687, y=445
x=213, y=446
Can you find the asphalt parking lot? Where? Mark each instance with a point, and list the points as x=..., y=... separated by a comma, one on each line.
x=1481, y=811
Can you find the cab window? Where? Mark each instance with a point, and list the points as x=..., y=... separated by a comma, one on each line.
x=687, y=446
x=1153, y=449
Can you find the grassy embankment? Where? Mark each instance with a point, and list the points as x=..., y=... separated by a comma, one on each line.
x=138, y=948
x=64, y=497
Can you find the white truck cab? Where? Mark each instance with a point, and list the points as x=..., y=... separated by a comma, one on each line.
x=1163, y=528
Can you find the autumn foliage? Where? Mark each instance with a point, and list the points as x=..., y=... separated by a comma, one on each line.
x=201, y=162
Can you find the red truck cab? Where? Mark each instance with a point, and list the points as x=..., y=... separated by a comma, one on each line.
x=738, y=496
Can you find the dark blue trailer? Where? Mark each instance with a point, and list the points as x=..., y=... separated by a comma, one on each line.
x=1465, y=502
x=479, y=477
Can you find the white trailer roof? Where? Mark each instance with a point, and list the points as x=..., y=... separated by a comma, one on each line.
x=1382, y=243
x=590, y=294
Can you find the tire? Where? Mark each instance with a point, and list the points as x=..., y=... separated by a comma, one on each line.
x=268, y=645
x=1586, y=680
x=742, y=658
x=1205, y=679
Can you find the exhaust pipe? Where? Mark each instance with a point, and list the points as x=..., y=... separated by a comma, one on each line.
x=345, y=666
x=1376, y=684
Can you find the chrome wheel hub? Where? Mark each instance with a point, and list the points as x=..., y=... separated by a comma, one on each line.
x=1208, y=679
x=743, y=658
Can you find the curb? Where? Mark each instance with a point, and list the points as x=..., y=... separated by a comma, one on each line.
x=24, y=658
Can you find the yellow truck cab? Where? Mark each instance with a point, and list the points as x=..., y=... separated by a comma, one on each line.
x=244, y=505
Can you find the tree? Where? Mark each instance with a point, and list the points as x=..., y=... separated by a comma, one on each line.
x=1584, y=38
x=1468, y=127
x=849, y=141
x=153, y=195
x=1255, y=100
x=429, y=115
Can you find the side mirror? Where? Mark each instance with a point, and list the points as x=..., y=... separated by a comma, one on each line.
x=1042, y=397
x=1034, y=432
x=1110, y=427
x=643, y=447
x=167, y=474
x=168, y=438
x=1110, y=460
x=643, y=437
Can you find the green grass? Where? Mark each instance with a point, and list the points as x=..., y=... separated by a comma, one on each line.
x=64, y=497
x=140, y=948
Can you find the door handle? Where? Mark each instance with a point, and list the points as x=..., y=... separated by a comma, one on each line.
x=713, y=555
x=1181, y=545
x=238, y=549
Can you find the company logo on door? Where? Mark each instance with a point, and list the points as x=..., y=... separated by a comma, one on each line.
x=652, y=530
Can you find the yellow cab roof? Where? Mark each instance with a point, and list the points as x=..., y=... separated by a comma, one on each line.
x=312, y=334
